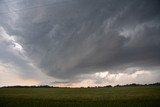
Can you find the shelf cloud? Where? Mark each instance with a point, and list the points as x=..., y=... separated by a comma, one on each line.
x=69, y=38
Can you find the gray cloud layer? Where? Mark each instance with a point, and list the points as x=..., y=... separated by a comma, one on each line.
x=72, y=37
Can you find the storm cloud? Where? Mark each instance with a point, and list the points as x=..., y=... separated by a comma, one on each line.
x=68, y=38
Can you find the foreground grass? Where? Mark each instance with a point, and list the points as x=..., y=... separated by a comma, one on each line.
x=142, y=96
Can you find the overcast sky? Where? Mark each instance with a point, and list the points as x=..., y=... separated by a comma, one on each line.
x=79, y=42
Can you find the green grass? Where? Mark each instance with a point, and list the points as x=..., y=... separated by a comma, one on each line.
x=142, y=96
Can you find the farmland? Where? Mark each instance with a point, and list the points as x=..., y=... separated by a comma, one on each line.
x=138, y=96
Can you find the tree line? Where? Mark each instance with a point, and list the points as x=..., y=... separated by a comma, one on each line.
x=107, y=86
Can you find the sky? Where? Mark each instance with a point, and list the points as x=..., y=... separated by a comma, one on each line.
x=79, y=43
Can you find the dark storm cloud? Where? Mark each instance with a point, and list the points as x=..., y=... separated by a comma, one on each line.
x=74, y=37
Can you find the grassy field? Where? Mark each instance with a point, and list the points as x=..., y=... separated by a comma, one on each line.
x=142, y=96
